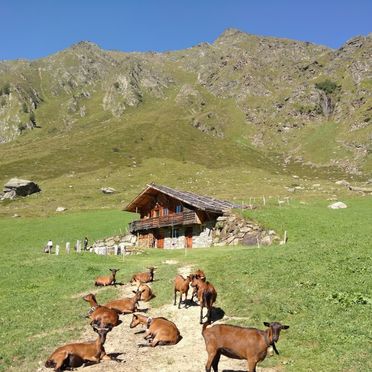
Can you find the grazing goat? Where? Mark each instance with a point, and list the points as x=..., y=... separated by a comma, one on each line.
x=125, y=305
x=102, y=316
x=181, y=285
x=236, y=342
x=146, y=292
x=207, y=296
x=74, y=355
x=107, y=280
x=145, y=277
x=160, y=331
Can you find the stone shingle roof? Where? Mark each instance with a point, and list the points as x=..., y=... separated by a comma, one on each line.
x=204, y=203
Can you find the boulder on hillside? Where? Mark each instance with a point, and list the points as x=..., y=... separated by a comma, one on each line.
x=18, y=187
x=337, y=205
x=108, y=190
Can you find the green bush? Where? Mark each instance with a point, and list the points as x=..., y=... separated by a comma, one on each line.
x=327, y=86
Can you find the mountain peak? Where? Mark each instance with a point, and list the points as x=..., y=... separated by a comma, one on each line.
x=230, y=33
x=85, y=44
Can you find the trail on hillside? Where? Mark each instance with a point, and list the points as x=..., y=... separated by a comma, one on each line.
x=188, y=355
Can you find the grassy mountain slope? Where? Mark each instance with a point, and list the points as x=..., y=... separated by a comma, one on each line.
x=236, y=118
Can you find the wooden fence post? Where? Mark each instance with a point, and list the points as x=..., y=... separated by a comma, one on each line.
x=57, y=249
x=68, y=247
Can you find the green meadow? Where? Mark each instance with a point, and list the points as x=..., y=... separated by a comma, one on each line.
x=319, y=283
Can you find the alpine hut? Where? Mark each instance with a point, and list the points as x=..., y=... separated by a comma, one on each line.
x=171, y=218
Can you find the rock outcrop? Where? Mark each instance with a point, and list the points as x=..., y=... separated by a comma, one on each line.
x=18, y=187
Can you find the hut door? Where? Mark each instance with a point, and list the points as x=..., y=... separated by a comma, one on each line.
x=188, y=235
x=160, y=240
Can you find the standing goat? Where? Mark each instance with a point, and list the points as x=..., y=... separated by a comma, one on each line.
x=236, y=342
x=145, y=277
x=159, y=331
x=107, y=280
x=125, y=305
x=75, y=355
x=198, y=274
x=207, y=296
x=181, y=285
x=102, y=316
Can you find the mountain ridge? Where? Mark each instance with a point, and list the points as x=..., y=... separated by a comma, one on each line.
x=270, y=100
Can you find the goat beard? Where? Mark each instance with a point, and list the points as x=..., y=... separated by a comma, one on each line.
x=275, y=349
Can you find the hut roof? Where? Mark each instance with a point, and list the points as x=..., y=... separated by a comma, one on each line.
x=200, y=202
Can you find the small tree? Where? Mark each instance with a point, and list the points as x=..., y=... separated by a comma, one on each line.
x=327, y=86
x=327, y=96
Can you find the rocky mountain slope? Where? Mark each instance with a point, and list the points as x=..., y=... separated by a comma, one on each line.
x=275, y=102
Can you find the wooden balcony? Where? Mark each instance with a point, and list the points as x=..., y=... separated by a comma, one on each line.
x=177, y=219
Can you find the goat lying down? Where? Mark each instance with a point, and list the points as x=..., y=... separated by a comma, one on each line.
x=102, y=316
x=159, y=331
x=125, y=305
x=144, y=277
x=107, y=280
x=236, y=342
x=75, y=355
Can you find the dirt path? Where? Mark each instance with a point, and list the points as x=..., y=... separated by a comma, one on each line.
x=188, y=355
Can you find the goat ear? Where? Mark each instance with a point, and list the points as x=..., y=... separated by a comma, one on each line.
x=285, y=326
x=266, y=324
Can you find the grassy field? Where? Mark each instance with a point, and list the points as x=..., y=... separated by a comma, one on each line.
x=320, y=283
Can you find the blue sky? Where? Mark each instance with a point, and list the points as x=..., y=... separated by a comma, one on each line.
x=36, y=28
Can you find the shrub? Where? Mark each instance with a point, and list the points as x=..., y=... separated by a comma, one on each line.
x=327, y=86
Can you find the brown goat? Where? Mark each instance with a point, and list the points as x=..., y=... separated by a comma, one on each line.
x=207, y=296
x=146, y=292
x=125, y=305
x=198, y=274
x=102, y=316
x=181, y=285
x=236, y=342
x=145, y=277
x=160, y=331
x=74, y=355
x=107, y=280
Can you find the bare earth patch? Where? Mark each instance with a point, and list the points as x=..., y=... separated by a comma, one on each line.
x=188, y=355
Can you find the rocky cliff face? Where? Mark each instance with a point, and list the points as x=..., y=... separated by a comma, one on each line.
x=280, y=87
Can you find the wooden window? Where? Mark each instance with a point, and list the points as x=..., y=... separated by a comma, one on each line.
x=179, y=208
x=165, y=211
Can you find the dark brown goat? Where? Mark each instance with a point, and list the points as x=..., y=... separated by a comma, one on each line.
x=125, y=305
x=107, y=280
x=146, y=292
x=181, y=285
x=236, y=342
x=102, y=316
x=207, y=296
x=159, y=331
x=74, y=355
x=145, y=277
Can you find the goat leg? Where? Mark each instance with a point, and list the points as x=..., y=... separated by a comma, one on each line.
x=201, y=315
